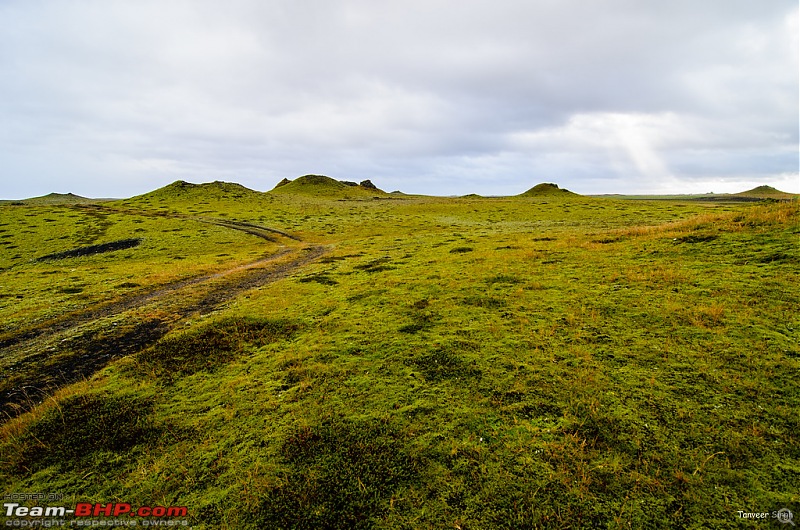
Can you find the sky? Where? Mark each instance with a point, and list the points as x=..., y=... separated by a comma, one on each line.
x=107, y=98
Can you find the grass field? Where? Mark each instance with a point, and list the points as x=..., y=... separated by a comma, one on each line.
x=320, y=357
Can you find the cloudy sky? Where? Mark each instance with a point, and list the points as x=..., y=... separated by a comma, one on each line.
x=109, y=98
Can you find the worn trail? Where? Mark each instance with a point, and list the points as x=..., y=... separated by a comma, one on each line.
x=56, y=353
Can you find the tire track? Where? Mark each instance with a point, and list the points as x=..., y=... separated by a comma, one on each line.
x=48, y=363
x=104, y=309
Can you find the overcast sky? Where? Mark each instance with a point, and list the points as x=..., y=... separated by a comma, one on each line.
x=111, y=98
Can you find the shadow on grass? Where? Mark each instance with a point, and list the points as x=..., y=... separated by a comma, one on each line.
x=29, y=381
x=341, y=474
x=444, y=362
x=209, y=348
x=122, y=244
x=72, y=434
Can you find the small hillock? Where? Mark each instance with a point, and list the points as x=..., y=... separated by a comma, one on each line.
x=322, y=186
x=182, y=190
x=59, y=198
x=547, y=189
x=766, y=192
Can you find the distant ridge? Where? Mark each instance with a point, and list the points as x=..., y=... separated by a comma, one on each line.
x=547, y=189
x=759, y=193
x=327, y=187
x=58, y=198
x=322, y=186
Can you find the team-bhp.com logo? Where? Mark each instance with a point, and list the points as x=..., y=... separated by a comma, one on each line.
x=85, y=509
x=123, y=512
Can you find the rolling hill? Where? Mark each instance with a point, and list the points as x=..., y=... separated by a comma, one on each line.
x=181, y=189
x=322, y=186
x=58, y=198
x=547, y=189
x=766, y=192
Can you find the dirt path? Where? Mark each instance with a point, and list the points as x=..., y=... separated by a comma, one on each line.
x=104, y=309
x=56, y=353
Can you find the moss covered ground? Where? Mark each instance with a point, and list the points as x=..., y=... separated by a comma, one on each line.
x=550, y=361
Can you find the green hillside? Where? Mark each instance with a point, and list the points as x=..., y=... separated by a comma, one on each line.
x=547, y=190
x=57, y=198
x=181, y=190
x=767, y=192
x=325, y=187
x=215, y=199
x=295, y=360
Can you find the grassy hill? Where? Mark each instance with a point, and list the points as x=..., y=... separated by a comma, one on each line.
x=326, y=187
x=214, y=199
x=417, y=363
x=547, y=190
x=180, y=191
x=767, y=192
x=57, y=198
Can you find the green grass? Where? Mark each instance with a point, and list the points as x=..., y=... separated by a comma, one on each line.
x=169, y=248
x=449, y=363
x=173, y=358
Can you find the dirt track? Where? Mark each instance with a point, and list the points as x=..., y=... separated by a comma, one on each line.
x=56, y=353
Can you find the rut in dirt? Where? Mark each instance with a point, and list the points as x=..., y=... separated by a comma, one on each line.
x=48, y=363
x=72, y=320
x=105, y=309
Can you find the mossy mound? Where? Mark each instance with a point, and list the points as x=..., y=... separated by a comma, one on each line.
x=547, y=189
x=59, y=198
x=766, y=192
x=181, y=187
x=322, y=186
x=182, y=190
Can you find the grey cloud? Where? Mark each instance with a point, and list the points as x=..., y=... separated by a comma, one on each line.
x=443, y=97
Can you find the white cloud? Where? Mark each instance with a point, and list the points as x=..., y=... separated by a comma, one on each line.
x=114, y=97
